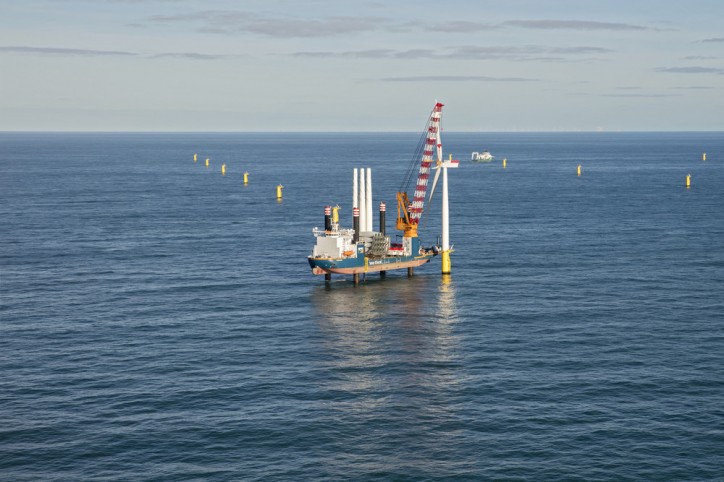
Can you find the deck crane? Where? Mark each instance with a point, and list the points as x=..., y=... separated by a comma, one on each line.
x=410, y=212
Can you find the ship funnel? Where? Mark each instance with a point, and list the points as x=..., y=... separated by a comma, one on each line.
x=383, y=223
x=327, y=218
x=355, y=224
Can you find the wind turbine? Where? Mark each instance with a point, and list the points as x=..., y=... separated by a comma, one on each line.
x=443, y=166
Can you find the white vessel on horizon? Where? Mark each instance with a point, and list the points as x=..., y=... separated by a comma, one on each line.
x=484, y=156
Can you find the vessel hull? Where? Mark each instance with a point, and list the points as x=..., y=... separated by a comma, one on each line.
x=365, y=265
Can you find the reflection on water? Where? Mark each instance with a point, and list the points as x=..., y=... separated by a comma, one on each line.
x=385, y=324
x=342, y=302
x=374, y=322
x=446, y=300
x=391, y=350
x=361, y=326
x=349, y=321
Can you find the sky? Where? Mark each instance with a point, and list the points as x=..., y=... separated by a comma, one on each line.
x=339, y=65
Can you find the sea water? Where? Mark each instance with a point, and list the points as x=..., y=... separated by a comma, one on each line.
x=159, y=321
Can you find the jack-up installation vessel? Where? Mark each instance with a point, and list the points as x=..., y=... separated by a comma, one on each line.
x=362, y=250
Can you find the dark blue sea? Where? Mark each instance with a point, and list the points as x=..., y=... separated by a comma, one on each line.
x=159, y=321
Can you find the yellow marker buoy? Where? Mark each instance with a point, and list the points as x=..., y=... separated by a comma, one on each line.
x=207, y=162
x=279, y=191
x=703, y=157
x=196, y=157
x=246, y=178
x=688, y=181
x=504, y=162
x=579, y=169
x=223, y=169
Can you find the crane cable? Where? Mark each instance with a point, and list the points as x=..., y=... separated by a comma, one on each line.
x=417, y=156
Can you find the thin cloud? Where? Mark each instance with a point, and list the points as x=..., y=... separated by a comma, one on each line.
x=228, y=22
x=95, y=53
x=690, y=70
x=583, y=50
x=644, y=96
x=572, y=25
x=455, y=78
x=468, y=52
x=319, y=55
x=191, y=56
x=700, y=57
x=64, y=51
x=694, y=87
x=416, y=54
x=525, y=52
x=316, y=28
x=466, y=26
x=233, y=21
x=717, y=39
x=143, y=1
x=370, y=54
x=461, y=26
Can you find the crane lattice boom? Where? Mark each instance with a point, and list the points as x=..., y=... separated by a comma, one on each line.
x=410, y=212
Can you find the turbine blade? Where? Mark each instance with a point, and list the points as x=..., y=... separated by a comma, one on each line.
x=434, y=183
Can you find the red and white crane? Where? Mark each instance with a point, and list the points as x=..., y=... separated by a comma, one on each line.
x=410, y=212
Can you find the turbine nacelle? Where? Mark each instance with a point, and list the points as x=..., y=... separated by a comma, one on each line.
x=447, y=163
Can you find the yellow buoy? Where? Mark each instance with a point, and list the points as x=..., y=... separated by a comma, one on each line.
x=579, y=169
x=196, y=157
x=246, y=178
x=223, y=169
x=703, y=157
x=279, y=191
x=207, y=162
x=688, y=181
x=504, y=162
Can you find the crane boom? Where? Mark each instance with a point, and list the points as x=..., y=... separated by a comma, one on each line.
x=409, y=213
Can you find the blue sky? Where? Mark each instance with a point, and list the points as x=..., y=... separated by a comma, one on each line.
x=324, y=65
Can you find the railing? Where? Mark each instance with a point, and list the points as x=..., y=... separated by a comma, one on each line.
x=343, y=233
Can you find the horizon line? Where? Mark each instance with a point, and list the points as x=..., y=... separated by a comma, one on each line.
x=516, y=131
